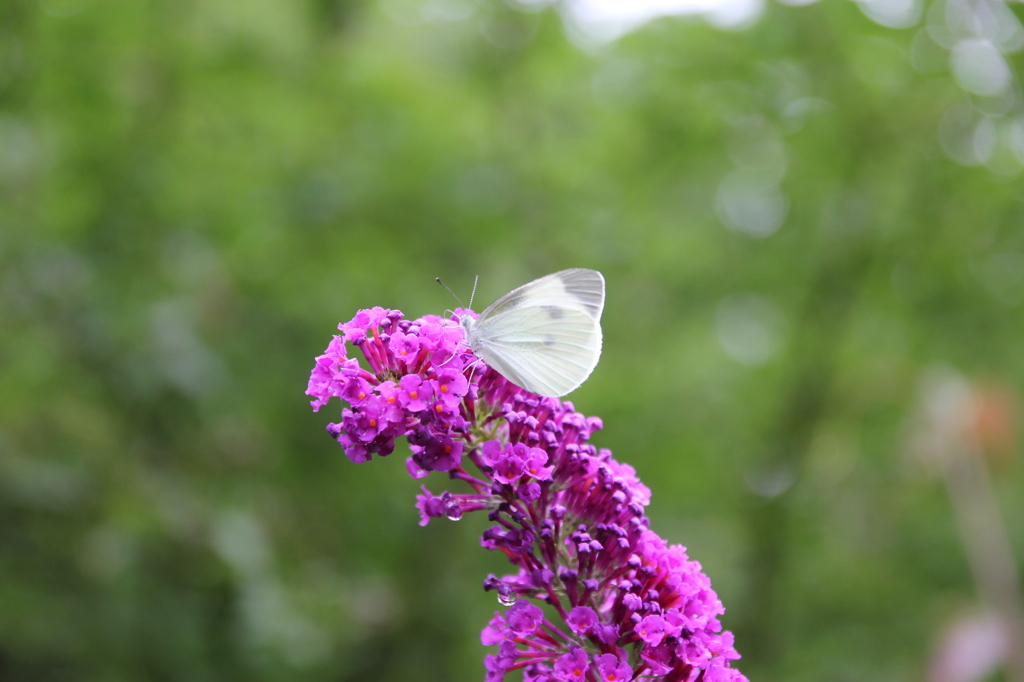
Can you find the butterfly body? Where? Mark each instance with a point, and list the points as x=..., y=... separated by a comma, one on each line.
x=544, y=336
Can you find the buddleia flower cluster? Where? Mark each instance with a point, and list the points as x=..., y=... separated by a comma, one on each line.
x=623, y=604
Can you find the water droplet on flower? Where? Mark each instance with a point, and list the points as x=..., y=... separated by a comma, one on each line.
x=506, y=596
x=454, y=512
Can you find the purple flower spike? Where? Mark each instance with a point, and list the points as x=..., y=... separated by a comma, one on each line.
x=568, y=516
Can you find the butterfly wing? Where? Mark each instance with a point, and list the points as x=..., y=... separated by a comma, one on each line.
x=545, y=336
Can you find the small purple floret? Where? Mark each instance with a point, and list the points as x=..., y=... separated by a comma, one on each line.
x=610, y=669
x=523, y=618
x=581, y=619
x=572, y=666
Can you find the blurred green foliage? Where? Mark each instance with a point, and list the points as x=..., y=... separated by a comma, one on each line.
x=193, y=194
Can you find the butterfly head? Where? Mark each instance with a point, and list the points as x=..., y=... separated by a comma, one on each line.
x=467, y=322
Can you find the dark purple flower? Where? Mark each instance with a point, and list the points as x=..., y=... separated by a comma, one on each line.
x=609, y=668
x=651, y=629
x=443, y=454
x=581, y=619
x=529, y=492
x=660, y=660
x=430, y=506
x=505, y=659
x=535, y=464
x=357, y=391
x=523, y=618
x=445, y=414
x=414, y=469
x=573, y=665
x=507, y=461
x=494, y=633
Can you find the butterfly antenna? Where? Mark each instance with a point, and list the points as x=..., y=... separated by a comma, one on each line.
x=452, y=292
x=473, y=295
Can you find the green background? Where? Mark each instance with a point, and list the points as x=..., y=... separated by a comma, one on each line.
x=193, y=193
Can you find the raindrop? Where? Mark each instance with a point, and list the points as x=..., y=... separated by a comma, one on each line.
x=506, y=597
x=453, y=512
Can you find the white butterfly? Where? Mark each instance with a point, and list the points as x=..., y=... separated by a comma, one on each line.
x=544, y=336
